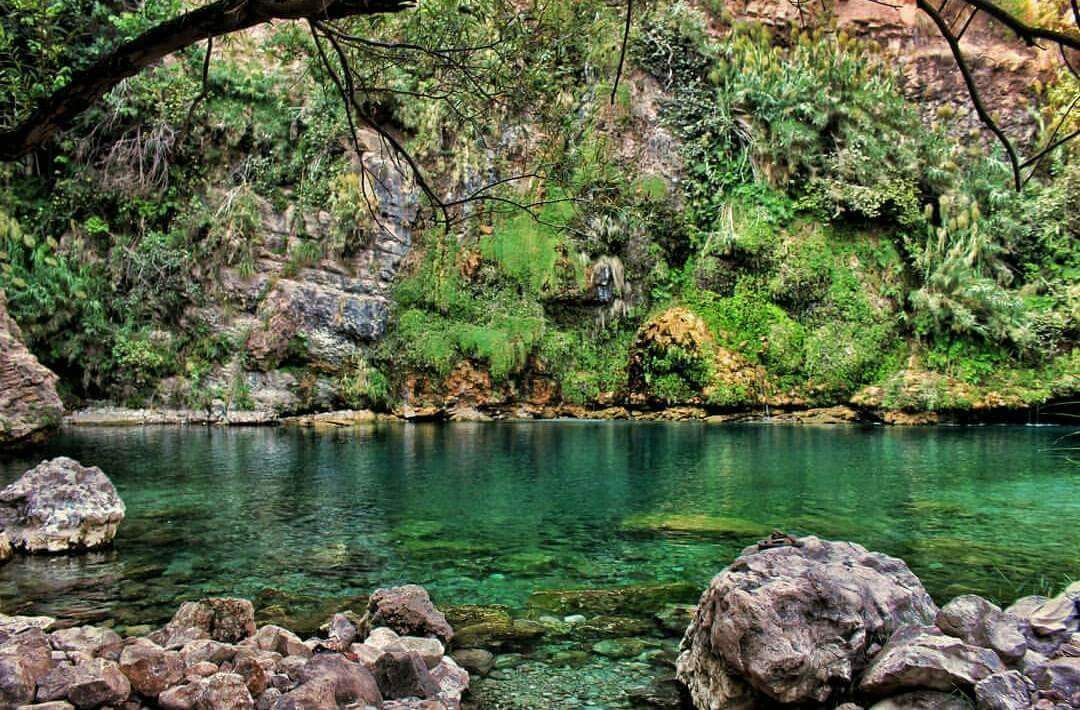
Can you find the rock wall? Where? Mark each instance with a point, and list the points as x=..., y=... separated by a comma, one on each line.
x=29, y=404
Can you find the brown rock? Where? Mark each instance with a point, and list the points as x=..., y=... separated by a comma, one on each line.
x=283, y=641
x=221, y=619
x=403, y=675
x=25, y=657
x=29, y=404
x=1004, y=691
x=224, y=691
x=793, y=622
x=351, y=682
x=408, y=611
x=976, y=621
x=923, y=657
x=317, y=694
x=150, y=668
x=87, y=640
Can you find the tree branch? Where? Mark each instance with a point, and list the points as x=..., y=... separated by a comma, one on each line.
x=213, y=20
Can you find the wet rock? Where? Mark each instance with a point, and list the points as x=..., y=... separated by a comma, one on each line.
x=793, y=621
x=924, y=700
x=29, y=404
x=1004, y=691
x=620, y=648
x=923, y=657
x=150, y=668
x=87, y=640
x=221, y=619
x=661, y=693
x=89, y=684
x=469, y=614
x=317, y=694
x=60, y=506
x=569, y=657
x=408, y=611
x=514, y=633
x=976, y=621
x=474, y=660
x=637, y=599
x=404, y=675
x=351, y=682
x=619, y=626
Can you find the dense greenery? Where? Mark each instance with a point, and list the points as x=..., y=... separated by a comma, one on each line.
x=826, y=238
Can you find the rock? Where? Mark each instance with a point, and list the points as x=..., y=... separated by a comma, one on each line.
x=29, y=404
x=283, y=641
x=87, y=640
x=267, y=699
x=474, y=660
x=429, y=649
x=181, y=697
x=317, y=694
x=202, y=669
x=793, y=621
x=452, y=680
x=60, y=505
x=205, y=649
x=89, y=684
x=51, y=705
x=224, y=691
x=252, y=669
x=6, y=550
x=620, y=648
x=1004, y=691
x=403, y=675
x=623, y=626
x=635, y=599
x=351, y=682
x=384, y=639
x=221, y=619
x=408, y=611
x=499, y=634
x=25, y=657
x=923, y=657
x=924, y=700
x=150, y=668
x=976, y=621
x=1054, y=617
x=1059, y=680
x=342, y=631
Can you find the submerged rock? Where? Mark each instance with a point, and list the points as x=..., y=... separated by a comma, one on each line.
x=636, y=599
x=60, y=506
x=793, y=622
x=29, y=404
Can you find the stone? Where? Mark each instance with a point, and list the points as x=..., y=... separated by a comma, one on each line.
x=89, y=684
x=474, y=660
x=453, y=681
x=1046, y=623
x=429, y=649
x=252, y=669
x=620, y=648
x=792, y=620
x=1004, y=691
x=87, y=640
x=404, y=675
x=205, y=649
x=500, y=634
x=181, y=697
x=924, y=657
x=407, y=610
x=283, y=641
x=267, y=699
x=366, y=655
x=317, y=694
x=924, y=700
x=976, y=621
x=6, y=551
x=17, y=682
x=59, y=506
x=202, y=669
x=224, y=691
x=221, y=619
x=150, y=668
x=351, y=682
x=629, y=600
x=29, y=404
x=1059, y=680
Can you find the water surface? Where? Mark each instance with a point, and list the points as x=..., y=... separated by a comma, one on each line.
x=488, y=513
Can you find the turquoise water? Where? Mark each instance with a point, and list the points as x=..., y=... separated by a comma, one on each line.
x=489, y=513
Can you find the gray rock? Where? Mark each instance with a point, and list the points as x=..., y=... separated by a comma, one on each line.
x=924, y=700
x=1059, y=680
x=89, y=684
x=408, y=611
x=60, y=506
x=429, y=649
x=1004, y=691
x=794, y=621
x=474, y=660
x=976, y=621
x=283, y=641
x=923, y=657
x=404, y=675
x=87, y=640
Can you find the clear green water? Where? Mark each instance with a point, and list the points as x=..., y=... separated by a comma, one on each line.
x=488, y=513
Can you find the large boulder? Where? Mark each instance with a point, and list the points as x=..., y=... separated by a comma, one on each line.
x=89, y=684
x=794, y=620
x=352, y=682
x=25, y=658
x=407, y=610
x=29, y=404
x=222, y=619
x=60, y=505
x=923, y=657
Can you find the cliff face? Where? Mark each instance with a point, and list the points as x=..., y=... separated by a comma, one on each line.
x=29, y=405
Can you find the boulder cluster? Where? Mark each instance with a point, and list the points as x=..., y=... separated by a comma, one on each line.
x=811, y=622
x=59, y=506
x=211, y=656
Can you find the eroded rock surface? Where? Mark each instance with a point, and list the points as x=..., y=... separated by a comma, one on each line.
x=59, y=506
x=795, y=622
x=29, y=404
